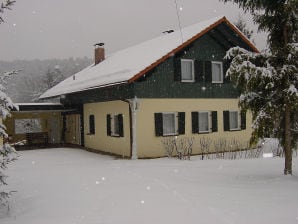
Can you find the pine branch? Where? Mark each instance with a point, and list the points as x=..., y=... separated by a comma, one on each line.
x=5, y=6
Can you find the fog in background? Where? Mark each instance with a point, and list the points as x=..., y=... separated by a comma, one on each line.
x=43, y=29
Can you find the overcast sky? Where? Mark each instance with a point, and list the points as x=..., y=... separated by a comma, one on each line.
x=43, y=29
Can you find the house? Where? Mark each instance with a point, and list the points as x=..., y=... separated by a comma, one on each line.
x=173, y=85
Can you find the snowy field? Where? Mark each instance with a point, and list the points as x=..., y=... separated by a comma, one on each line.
x=72, y=186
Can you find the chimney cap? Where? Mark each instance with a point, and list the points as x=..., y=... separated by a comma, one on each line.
x=99, y=44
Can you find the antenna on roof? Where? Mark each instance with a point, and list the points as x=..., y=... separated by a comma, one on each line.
x=168, y=31
x=177, y=12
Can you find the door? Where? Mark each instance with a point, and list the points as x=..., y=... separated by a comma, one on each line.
x=54, y=133
x=73, y=129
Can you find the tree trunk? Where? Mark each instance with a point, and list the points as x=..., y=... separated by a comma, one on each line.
x=287, y=143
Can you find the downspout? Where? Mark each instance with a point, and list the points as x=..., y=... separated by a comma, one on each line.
x=133, y=107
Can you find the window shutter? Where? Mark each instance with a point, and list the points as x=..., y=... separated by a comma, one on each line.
x=199, y=71
x=243, y=120
x=226, y=120
x=120, y=123
x=181, y=123
x=158, y=124
x=195, y=122
x=208, y=71
x=109, y=130
x=226, y=65
x=214, y=121
x=177, y=68
x=91, y=124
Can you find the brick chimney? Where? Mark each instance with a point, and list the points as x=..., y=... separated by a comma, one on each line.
x=99, y=53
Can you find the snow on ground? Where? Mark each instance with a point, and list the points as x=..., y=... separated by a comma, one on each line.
x=72, y=186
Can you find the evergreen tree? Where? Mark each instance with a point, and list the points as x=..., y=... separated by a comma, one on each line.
x=7, y=152
x=268, y=81
x=49, y=80
x=242, y=26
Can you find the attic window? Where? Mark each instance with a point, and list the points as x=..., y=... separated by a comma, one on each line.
x=217, y=72
x=187, y=70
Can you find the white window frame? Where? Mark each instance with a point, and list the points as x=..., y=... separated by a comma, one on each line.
x=175, y=123
x=221, y=71
x=192, y=72
x=209, y=122
x=238, y=120
x=114, y=118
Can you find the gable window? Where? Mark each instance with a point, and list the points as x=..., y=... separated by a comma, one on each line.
x=204, y=121
x=169, y=123
x=115, y=125
x=234, y=120
x=91, y=125
x=187, y=70
x=217, y=72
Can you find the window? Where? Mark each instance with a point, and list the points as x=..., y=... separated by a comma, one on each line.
x=169, y=123
x=204, y=121
x=22, y=126
x=91, y=125
x=217, y=72
x=115, y=125
x=187, y=70
x=234, y=120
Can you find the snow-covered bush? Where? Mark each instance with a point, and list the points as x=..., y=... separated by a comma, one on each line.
x=182, y=146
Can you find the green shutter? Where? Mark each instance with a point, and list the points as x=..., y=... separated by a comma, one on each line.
x=195, y=122
x=120, y=123
x=109, y=130
x=158, y=124
x=214, y=121
x=226, y=120
x=208, y=71
x=91, y=124
x=243, y=120
x=181, y=123
x=177, y=68
x=199, y=71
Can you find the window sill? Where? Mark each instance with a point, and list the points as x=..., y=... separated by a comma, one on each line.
x=168, y=135
x=204, y=132
x=235, y=129
x=217, y=82
x=90, y=134
x=188, y=81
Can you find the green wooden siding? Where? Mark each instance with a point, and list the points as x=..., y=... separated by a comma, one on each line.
x=162, y=82
x=119, y=92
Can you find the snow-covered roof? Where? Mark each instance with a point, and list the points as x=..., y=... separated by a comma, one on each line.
x=130, y=63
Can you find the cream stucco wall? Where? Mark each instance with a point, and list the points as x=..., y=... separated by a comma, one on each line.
x=148, y=145
x=100, y=140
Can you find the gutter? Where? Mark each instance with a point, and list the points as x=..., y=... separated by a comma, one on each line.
x=133, y=107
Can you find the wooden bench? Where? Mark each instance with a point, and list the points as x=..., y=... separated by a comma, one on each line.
x=37, y=138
